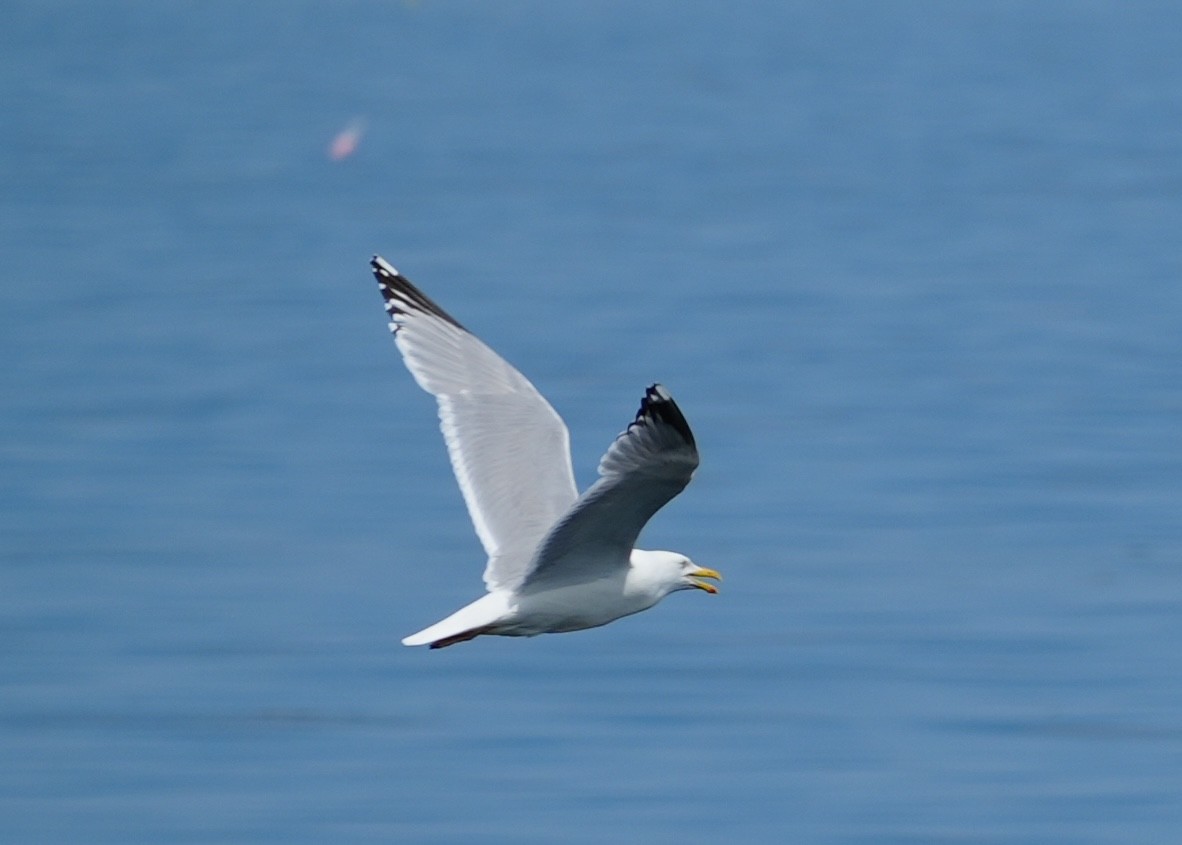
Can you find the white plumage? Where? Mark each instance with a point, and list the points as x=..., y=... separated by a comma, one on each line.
x=557, y=561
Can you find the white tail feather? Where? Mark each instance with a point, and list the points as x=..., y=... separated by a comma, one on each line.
x=485, y=611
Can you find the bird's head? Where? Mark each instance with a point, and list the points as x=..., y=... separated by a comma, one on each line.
x=675, y=571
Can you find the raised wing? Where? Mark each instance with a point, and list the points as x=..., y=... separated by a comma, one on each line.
x=646, y=466
x=509, y=449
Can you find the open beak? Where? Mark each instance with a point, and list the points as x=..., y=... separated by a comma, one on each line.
x=705, y=573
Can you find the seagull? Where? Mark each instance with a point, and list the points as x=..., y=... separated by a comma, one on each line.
x=557, y=561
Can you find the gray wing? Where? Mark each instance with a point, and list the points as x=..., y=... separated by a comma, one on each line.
x=509, y=448
x=647, y=465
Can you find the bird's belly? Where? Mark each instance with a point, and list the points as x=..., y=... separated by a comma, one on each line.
x=574, y=608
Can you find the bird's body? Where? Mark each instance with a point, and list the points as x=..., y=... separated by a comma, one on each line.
x=574, y=606
x=557, y=561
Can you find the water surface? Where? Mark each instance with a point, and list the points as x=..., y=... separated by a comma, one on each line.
x=910, y=270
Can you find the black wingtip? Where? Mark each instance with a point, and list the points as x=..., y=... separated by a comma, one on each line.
x=402, y=296
x=658, y=405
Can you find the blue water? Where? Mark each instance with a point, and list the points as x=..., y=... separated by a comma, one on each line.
x=912, y=271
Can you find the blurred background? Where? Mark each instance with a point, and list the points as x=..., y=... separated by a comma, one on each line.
x=910, y=269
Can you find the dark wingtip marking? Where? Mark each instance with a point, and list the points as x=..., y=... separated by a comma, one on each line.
x=401, y=296
x=658, y=405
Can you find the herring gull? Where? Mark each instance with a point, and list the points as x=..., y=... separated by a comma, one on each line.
x=557, y=561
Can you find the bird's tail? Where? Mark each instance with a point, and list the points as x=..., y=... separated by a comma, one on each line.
x=470, y=621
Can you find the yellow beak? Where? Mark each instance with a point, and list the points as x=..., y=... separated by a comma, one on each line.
x=705, y=573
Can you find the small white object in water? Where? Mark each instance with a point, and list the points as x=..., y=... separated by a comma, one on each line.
x=346, y=141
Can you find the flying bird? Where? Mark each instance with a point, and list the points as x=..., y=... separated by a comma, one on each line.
x=557, y=561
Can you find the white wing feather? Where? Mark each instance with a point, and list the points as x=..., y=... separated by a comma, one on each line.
x=509, y=448
x=647, y=465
